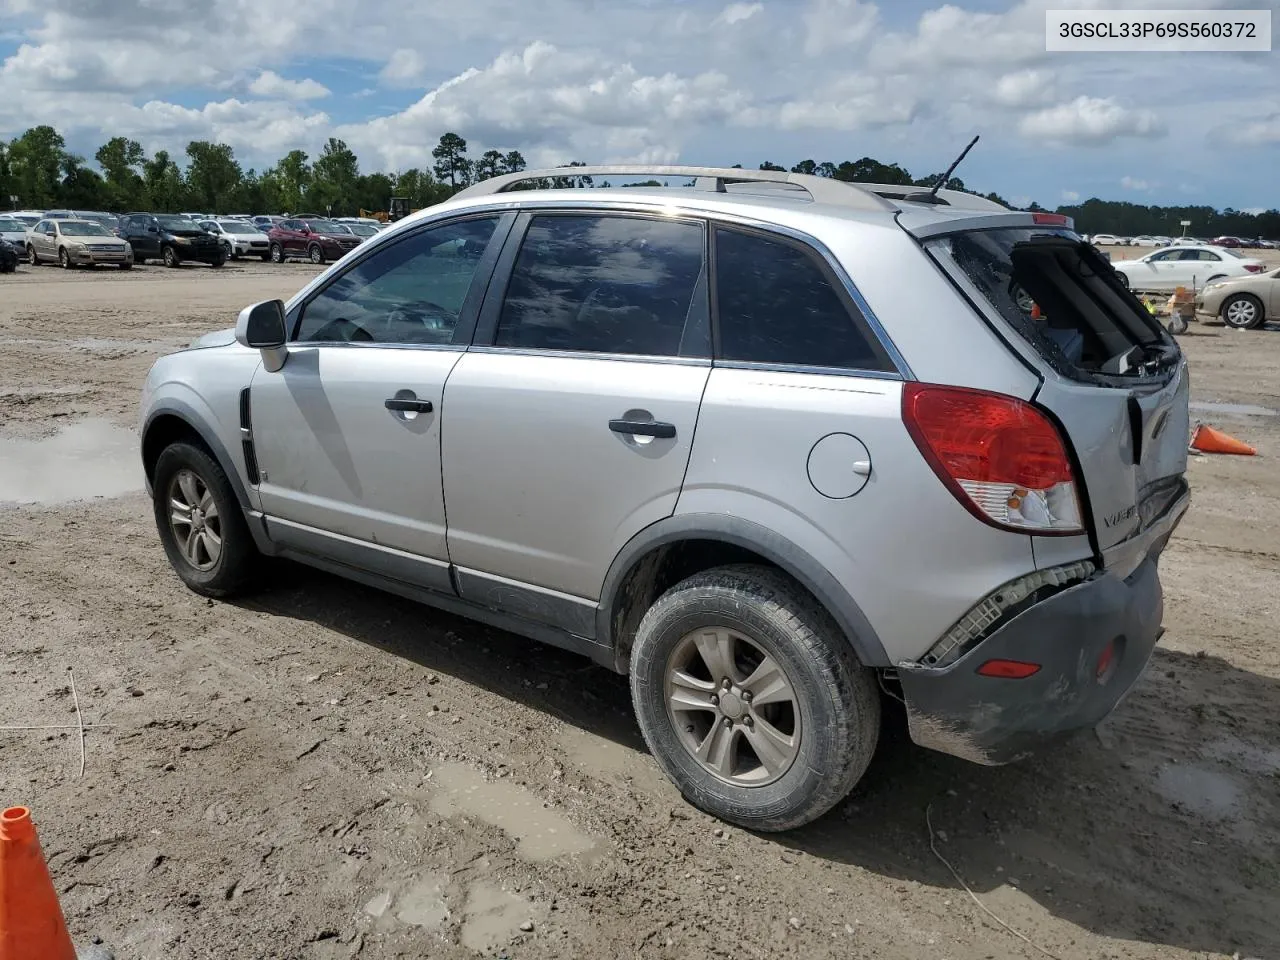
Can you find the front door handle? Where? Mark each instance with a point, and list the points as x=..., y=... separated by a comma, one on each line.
x=404, y=405
x=644, y=428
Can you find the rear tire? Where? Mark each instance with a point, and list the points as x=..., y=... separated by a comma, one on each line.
x=186, y=473
x=818, y=729
x=1242, y=311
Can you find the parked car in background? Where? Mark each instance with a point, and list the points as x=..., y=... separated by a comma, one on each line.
x=240, y=238
x=265, y=222
x=1145, y=241
x=29, y=217
x=1107, y=240
x=1231, y=242
x=10, y=253
x=316, y=240
x=1262, y=244
x=1186, y=242
x=76, y=243
x=14, y=230
x=171, y=238
x=515, y=442
x=362, y=230
x=1166, y=270
x=1244, y=303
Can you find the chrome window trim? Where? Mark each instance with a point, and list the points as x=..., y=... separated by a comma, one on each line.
x=590, y=355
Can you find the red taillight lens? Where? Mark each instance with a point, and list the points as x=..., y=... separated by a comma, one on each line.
x=1001, y=457
x=1050, y=219
x=1009, y=669
x=1254, y=267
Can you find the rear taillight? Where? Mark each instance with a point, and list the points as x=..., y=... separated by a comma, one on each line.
x=1254, y=267
x=1051, y=219
x=1001, y=457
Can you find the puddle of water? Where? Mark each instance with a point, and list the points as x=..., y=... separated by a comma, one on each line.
x=422, y=905
x=540, y=834
x=1243, y=409
x=599, y=755
x=85, y=459
x=492, y=916
x=1206, y=792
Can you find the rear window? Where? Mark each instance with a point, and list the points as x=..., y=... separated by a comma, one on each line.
x=1062, y=297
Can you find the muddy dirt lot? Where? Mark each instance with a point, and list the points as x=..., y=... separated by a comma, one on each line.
x=324, y=771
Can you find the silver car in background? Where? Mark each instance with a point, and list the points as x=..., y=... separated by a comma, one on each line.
x=76, y=243
x=240, y=238
x=774, y=447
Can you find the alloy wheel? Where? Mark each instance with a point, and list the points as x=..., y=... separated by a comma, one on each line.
x=194, y=520
x=1241, y=312
x=733, y=707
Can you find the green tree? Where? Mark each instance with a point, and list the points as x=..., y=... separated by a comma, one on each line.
x=81, y=188
x=294, y=175
x=333, y=179
x=870, y=170
x=806, y=166
x=513, y=162
x=212, y=175
x=165, y=192
x=373, y=191
x=7, y=186
x=489, y=165
x=121, y=160
x=451, y=161
x=35, y=163
x=767, y=165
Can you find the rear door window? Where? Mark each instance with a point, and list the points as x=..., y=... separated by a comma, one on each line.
x=1062, y=297
x=607, y=284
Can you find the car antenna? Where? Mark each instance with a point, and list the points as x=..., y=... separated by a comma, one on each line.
x=931, y=196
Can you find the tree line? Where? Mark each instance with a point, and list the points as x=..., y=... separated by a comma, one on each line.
x=39, y=170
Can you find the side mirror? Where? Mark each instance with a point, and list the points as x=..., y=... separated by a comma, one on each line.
x=153, y=229
x=262, y=327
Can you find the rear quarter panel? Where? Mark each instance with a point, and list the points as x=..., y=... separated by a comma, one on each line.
x=909, y=554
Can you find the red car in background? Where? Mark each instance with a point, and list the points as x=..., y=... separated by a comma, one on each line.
x=316, y=240
x=1228, y=242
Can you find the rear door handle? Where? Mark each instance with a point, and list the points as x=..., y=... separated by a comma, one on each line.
x=644, y=428
x=407, y=406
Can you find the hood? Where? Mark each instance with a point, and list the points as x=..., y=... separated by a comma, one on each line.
x=197, y=232
x=219, y=338
x=339, y=237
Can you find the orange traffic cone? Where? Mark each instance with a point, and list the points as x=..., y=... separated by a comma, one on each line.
x=1209, y=440
x=31, y=923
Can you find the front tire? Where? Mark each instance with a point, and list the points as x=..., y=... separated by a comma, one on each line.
x=170, y=257
x=32, y=257
x=64, y=261
x=277, y=253
x=751, y=699
x=1242, y=311
x=200, y=523
x=315, y=254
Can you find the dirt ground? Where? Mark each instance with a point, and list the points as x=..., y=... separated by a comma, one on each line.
x=325, y=771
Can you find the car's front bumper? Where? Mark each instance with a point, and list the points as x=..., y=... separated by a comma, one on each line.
x=992, y=720
x=95, y=257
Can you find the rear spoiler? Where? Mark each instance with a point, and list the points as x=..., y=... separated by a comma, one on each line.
x=934, y=221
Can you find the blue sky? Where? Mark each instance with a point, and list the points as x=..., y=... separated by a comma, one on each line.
x=699, y=81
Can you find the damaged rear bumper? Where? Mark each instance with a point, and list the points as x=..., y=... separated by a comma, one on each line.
x=993, y=720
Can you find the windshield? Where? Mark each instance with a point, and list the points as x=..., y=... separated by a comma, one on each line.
x=1059, y=294
x=237, y=226
x=30, y=221
x=172, y=222
x=80, y=228
x=10, y=225
x=326, y=226
x=361, y=229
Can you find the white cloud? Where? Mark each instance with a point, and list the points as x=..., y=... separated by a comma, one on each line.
x=1070, y=196
x=270, y=84
x=838, y=25
x=1090, y=121
x=1261, y=132
x=738, y=12
x=403, y=68
x=1133, y=183
x=1025, y=88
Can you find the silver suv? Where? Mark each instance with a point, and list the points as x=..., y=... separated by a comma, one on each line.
x=773, y=445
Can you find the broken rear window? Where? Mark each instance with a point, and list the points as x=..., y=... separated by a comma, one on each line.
x=1062, y=297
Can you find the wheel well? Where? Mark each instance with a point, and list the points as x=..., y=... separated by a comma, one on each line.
x=163, y=431
x=656, y=572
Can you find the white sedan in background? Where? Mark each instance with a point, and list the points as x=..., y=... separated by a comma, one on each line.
x=1107, y=240
x=241, y=238
x=1166, y=270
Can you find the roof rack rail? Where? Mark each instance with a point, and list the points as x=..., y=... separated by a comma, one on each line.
x=714, y=179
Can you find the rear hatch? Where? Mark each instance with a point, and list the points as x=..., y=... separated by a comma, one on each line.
x=1111, y=374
